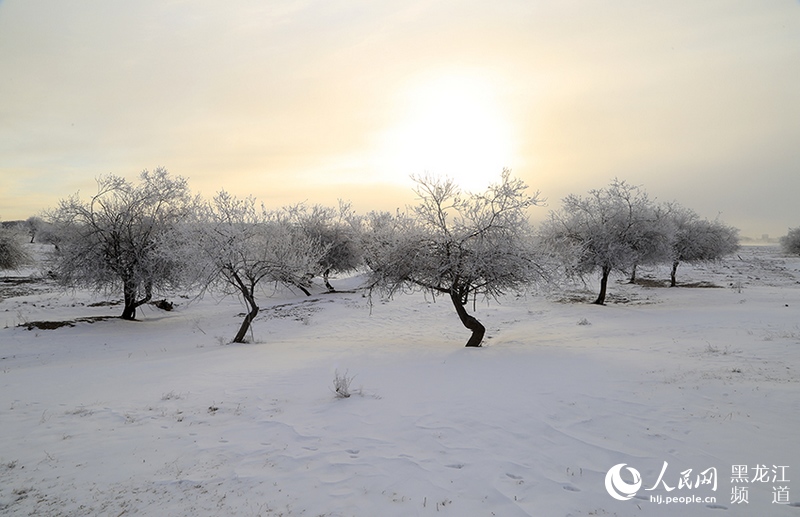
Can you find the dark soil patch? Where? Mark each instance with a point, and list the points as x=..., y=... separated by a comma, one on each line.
x=52, y=325
x=651, y=282
x=701, y=284
x=14, y=286
x=106, y=303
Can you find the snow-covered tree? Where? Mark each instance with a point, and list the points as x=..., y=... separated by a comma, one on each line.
x=12, y=253
x=457, y=245
x=40, y=230
x=698, y=240
x=32, y=225
x=337, y=230
x=115, y=239
x=239, y=247
x=791, y=241
x=615, y=228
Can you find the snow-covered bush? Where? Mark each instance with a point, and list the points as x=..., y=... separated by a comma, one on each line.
x=341, y=385
x=456, y=245
x=791, y=241
x=238, y=247
x=117, y=238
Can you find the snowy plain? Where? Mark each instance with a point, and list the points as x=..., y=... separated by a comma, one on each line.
x=161, y=417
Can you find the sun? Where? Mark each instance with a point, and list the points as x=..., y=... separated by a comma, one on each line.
x=451, y=125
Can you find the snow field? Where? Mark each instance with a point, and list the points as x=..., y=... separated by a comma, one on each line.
x=157, y=417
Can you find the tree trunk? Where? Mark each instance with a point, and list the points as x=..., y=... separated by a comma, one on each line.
x=672, y=274
x=633, y=275
x=601, y=298
x=131, y=303
x=478, y=330
x=305, y=291
x=240, y=336
x=328, y=284
x=128, y=312
x=250, y=302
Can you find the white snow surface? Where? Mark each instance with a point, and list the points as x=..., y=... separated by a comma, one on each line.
x=161, y=417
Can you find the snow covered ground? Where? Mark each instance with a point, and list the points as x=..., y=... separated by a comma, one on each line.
x=160, y=417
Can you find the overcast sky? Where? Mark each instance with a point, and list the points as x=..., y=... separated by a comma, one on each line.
x=696, y=101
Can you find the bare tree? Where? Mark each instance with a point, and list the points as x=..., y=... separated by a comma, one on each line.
x=456, y=245
x=115, y=238
x=615, y=228
x=791, y=241
x=238, y=247
x=698, y=240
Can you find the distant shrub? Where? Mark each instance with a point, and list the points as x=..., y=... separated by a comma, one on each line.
x=791, y=241
x=12, y=254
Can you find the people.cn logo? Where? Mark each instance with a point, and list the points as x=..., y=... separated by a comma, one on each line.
x=617, y=487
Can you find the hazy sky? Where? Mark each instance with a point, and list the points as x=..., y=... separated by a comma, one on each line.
x=695, y=100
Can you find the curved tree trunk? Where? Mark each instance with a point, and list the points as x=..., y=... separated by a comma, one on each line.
x=247, y=291
x=248, y=319
x=250, y=301
x=478, y=330
x=672, y=273
x=601, y=298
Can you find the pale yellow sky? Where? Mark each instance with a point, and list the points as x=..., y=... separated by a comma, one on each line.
x=320, y=100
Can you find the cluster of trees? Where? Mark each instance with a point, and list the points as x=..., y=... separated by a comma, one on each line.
x=620, y=228
x=156, y=235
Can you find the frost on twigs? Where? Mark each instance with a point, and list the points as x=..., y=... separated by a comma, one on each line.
x=457, y=245
x=123, y=237
x=238, y=247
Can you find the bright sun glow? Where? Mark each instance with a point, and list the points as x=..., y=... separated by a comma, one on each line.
x=451, y=126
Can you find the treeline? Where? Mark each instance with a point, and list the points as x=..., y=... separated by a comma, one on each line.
x=156, y=235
